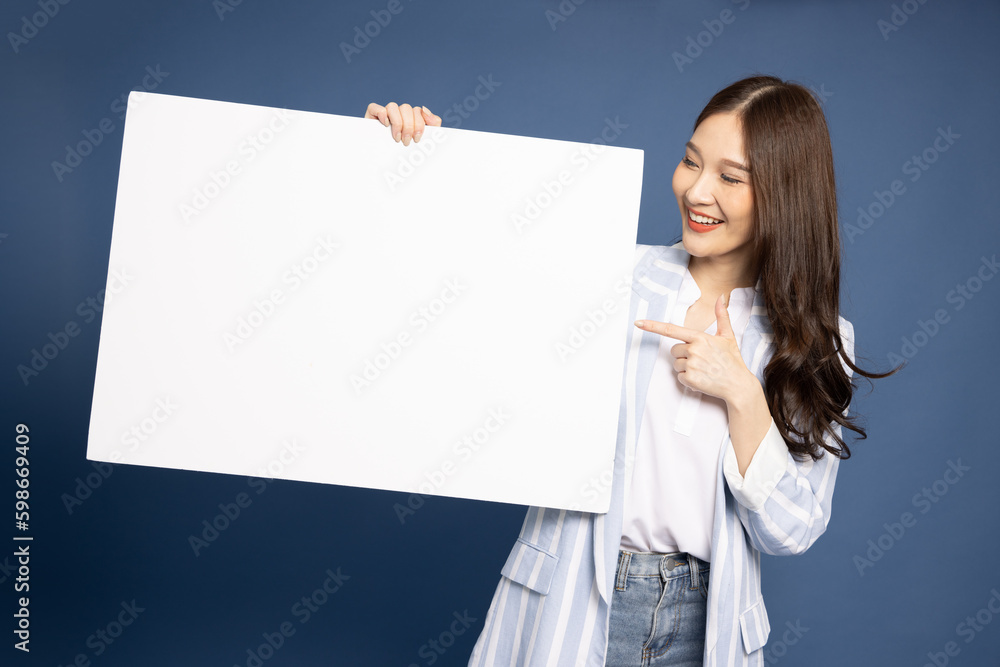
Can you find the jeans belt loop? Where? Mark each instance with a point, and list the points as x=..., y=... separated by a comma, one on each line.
x=624, y=558
x=693, y=572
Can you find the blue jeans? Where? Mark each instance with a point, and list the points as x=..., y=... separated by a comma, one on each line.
x=658, y=611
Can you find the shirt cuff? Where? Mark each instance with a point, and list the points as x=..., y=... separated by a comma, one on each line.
x=766, y=468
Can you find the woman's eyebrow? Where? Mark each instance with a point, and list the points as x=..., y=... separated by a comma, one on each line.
x=728, y=163
x=736, y=165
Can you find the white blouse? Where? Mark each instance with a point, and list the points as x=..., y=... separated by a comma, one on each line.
x=671, y=503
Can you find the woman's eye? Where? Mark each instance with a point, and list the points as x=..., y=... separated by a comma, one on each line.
x=688, y=161
x=730, y=179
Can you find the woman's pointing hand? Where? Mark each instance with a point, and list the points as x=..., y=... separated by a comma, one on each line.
x=711, y=364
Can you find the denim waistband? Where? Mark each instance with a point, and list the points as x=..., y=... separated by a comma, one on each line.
x=632, y=564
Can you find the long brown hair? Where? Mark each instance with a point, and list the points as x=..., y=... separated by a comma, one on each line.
x=796, y=247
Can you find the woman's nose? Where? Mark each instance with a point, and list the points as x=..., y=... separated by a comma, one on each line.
x=700, y=192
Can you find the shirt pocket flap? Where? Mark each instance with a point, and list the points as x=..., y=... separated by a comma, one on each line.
x=754, y=626
x=530, y=566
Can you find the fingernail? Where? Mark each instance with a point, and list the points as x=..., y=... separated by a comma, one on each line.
x=640, y=323
x=416, y=136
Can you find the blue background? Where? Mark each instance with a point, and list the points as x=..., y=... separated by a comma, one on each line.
x=887, y=96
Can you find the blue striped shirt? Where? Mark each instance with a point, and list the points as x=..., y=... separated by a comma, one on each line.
x=552, y=604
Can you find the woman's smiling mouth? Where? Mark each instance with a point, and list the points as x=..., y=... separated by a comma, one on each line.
x=702, y=223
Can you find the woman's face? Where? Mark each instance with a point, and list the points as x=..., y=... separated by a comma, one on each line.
x=713, y=191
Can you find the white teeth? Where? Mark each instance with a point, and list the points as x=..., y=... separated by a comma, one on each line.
x=704, y=220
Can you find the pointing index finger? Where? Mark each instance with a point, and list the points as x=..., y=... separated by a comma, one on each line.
x=667, y=329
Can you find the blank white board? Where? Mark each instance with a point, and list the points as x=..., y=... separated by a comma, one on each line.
x=294, y=295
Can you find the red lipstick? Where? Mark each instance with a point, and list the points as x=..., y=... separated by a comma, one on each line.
x=699, y=227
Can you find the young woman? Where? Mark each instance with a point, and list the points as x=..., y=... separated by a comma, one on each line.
x=737, y=386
